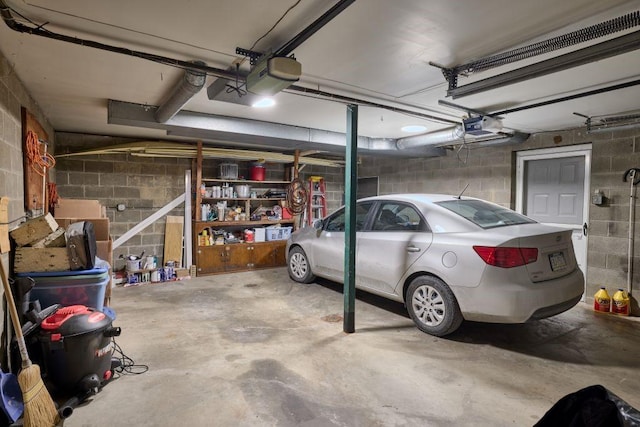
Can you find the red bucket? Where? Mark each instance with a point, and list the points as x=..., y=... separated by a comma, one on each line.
x=256, y=172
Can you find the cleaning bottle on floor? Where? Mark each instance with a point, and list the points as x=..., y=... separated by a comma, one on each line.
x=620, y=304
x=602, y=301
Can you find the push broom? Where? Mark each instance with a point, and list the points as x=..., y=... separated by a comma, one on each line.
x=39, y=409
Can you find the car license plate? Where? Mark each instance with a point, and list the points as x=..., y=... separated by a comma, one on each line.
x=557, y=261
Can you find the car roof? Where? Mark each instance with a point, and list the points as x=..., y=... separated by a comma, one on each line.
x=420, y=198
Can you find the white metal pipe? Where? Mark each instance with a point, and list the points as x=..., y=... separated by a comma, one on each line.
x=632, y=210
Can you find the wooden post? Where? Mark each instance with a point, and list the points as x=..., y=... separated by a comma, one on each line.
x=296, y=161
x=198, y=182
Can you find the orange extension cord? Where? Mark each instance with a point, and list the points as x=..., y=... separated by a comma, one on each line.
x=52, y=195
x=39, y=162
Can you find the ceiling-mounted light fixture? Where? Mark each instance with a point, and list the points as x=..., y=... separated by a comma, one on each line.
x=264, y=103
x=413, y=128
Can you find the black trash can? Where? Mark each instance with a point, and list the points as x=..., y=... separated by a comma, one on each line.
x=77, y=348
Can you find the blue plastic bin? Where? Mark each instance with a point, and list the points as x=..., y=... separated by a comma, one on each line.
x=80, y=287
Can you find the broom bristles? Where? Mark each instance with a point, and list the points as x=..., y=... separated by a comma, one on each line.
x=39, y=409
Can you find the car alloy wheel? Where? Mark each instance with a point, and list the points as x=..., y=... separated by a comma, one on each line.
x=428, y=305
x=298, y=266
x=432, y=306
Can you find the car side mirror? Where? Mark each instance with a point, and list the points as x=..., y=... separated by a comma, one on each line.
x=317, y=224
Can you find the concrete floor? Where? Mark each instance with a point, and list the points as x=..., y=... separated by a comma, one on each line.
x=255, y=348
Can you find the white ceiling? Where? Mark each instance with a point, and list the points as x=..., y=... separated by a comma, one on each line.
x=375, y=50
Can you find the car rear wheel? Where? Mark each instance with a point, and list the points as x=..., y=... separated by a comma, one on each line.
x=298, y=266
x=432, y=306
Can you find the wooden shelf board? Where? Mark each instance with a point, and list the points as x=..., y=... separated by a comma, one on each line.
x=243, y=243
x=244, y=181
x=244, y=199
x=242, y=223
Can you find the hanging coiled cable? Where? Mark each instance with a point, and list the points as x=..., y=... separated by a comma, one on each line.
x=297, y=196
x=40, y=160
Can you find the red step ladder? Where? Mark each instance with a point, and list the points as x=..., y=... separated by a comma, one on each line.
x=317, y=204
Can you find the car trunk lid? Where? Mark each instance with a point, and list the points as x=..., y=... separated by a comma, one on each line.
x=556, y=257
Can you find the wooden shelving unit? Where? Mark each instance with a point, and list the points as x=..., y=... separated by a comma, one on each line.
x=241, y=256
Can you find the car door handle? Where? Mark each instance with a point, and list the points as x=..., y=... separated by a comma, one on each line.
x=413, y=249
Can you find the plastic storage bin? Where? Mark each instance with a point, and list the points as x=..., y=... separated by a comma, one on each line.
x=278, y=233
x=80, y=287
x=228, y=171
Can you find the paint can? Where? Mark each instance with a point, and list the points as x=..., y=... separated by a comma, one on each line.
x=133, y=265
x=155, y=276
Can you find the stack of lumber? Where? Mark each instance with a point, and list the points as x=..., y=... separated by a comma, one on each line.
x=41, y=246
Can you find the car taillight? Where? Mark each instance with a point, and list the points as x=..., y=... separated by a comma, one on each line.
x=506, y=257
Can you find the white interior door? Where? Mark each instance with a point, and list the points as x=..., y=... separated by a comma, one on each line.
x=553, y=188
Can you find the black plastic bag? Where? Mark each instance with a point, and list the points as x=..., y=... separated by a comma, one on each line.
x=593, y=406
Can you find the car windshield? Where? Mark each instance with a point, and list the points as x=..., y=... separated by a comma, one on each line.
x=483, y=214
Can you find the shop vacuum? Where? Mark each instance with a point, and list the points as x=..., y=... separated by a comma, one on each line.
x=76, y=347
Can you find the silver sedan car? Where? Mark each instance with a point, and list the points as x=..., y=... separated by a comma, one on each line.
x=447, y=259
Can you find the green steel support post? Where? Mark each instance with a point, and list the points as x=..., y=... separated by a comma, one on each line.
x=350, y=185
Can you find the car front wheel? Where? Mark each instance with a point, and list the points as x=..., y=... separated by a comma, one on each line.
x=432, y=306
x=299, y=267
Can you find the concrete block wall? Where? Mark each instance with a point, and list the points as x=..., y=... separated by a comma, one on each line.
x=614, y=153
x=485, y=172
x=13, y=96
x=142, y=184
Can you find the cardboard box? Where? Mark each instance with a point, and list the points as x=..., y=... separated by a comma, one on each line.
x=107, y=292
x=100, y=225
x=260, y=234
x=34, y=230
x=41, y=259
x=181, y=273
x=79, y=208
x=104, y=250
